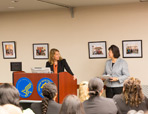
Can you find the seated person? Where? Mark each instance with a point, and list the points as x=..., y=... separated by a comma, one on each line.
x=83, y=91
x=9, y=95
x=97, y=104
x=72, y=105
x=48, y=105
x=131, y=98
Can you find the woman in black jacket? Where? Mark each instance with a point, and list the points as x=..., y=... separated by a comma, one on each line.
x=57, y=63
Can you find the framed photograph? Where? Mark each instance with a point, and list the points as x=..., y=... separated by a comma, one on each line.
x=97, y=49
x=41, y=51
x=9, y=49
x=132, y=49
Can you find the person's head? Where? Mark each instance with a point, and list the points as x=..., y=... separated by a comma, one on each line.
x=83, y=91
x=49, y=92
x=95, y=87
x=114, y=51
x=132, y=92
x=9, y=95
x=72, y=105
x=54, y=55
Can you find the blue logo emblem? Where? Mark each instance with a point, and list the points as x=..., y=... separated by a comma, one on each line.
x=41, y=84
x=25, y=87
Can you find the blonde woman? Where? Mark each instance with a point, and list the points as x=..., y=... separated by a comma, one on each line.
x=132, y=97
x=57, y=63
x=83, y=91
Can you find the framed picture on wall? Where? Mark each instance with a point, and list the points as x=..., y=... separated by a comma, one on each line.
x=41, y=51
x=9, y=49
x=97, y=50
x=132, y=49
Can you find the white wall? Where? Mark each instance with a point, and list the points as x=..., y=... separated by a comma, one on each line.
x=71, y=36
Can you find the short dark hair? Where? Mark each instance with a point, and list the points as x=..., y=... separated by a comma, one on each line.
x=49, y=91
x=115, y=50
x=9, y=95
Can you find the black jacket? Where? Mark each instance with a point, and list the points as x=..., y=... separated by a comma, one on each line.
x=53, y=108
x=61, y=66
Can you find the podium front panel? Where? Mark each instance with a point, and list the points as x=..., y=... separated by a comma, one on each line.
x=34, y=78
x=64, y=82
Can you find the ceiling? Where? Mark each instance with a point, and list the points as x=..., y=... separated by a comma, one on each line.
x=24, y=5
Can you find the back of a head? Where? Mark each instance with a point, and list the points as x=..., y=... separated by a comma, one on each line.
x=9, y=95
x=83, y=91
x=72, y=105
x=132, y=92
x=49, y=91
x=95, y=86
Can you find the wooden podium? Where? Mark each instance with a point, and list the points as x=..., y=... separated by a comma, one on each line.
x=64, y=82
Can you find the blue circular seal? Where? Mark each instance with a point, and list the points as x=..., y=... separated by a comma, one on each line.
x=25, y=87
x=41, y=84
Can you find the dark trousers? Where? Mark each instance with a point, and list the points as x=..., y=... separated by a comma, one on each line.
x=111, y=91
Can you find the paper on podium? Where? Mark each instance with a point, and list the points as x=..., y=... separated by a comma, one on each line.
x=106, y=77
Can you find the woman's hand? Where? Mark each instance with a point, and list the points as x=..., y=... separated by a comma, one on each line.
x=74, y=77
x=113, y=79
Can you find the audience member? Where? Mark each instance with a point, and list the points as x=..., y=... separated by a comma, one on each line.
x=9, y=95
x=72, y=105
x=132, y=97
x=97, y=104
x=48, y=105
x=83, y=91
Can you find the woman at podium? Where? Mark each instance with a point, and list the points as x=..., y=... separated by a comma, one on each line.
x=57, y=63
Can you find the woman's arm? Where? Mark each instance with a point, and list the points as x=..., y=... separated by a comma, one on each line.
x=105, y=73
x=67, y=67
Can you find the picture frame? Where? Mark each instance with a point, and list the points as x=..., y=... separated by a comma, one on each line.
x=97, y=50
x=40, y=51
x=9, y=49
x=132, y=49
